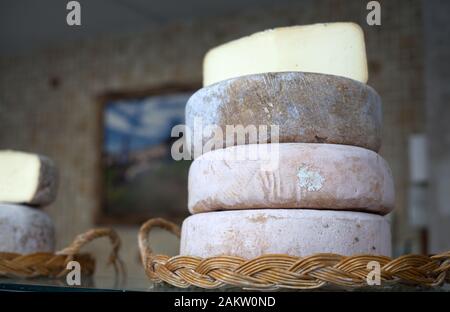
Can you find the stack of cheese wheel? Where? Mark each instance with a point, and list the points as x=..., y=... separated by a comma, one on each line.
x=329, y=190
x=27, y=182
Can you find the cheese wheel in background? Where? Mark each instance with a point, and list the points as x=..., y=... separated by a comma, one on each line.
x=296, y=232
x=27, y=178
x=307, y=108
x=332, y=48
x=25, y=230
x=291, y=175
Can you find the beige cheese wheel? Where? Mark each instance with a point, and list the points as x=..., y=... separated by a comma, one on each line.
x=330, y=48
x=25, y=230
x=307, y=108
x=27, y=178
x=296, y=232
x=298, y=175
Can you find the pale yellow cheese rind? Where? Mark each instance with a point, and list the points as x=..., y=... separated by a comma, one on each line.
x=332, y=48
x=27, y=178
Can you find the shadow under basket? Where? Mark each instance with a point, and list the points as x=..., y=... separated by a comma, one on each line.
x=280, y=271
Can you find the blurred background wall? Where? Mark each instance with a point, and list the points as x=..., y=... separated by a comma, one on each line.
x=49, y=93
x=437, y=103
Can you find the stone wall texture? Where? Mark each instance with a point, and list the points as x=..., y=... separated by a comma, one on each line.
x=437, y=77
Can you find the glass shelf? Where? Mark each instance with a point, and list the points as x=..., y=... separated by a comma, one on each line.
x=109, y=283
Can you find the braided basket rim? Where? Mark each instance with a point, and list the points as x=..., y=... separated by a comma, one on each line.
x=54, y=265
x=282, y=271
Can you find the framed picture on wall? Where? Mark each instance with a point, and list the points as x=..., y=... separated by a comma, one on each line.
x=139, y=177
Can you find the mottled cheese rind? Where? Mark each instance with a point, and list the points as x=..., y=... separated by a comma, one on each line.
x=332, y=48
x=27, y=178
x=307, y=108
x=296, y=232
x=25, y=230
x=296, y=175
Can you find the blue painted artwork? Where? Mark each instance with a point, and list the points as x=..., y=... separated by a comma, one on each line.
x=141, y=179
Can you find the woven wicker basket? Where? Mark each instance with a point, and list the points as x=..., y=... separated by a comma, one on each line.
x=54, y=265
x=267, y=272
x=276, y=271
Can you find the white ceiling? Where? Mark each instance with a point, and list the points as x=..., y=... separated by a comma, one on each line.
x=31, y=24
